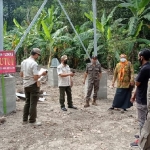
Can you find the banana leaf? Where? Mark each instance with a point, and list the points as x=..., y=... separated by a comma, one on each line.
x=140, y=40
x=139, y=28
x=46, y=31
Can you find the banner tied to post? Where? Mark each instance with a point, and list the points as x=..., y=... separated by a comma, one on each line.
x=7, y=62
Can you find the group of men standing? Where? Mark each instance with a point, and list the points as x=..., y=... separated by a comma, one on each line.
x=30, y=74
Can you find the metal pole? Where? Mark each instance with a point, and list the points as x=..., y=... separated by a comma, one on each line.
x=94, y=25
x=1, y=49
x=73, y=28
x=1, y=25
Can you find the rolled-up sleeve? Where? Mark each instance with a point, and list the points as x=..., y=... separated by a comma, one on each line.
x=35, y=69
x=59, y=70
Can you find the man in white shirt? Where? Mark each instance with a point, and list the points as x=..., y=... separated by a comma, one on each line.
x=64, y=83
x=30, y=74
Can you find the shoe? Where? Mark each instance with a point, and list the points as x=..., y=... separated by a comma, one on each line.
x=111, y=108
x=36, y=124
x=87, y=104
x=94, y=103
x=137, y=136
x=135, y=143
x=73, y=107
x=64, y=109
x=122, y=111
x=24, y=122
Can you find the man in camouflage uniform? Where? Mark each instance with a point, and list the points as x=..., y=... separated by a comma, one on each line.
x=93, y=71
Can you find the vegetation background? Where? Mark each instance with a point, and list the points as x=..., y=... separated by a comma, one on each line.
x=122, y=27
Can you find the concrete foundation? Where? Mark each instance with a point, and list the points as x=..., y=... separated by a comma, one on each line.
x=10, y=91
x=52, y=77
x=52, y=73
x=102, y=93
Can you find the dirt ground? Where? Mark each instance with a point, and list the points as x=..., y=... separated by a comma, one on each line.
x=93, y=128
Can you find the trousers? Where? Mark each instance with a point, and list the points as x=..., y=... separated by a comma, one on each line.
x=62, y=91
x=30, y=107
x=142, y=113
x=91, y=85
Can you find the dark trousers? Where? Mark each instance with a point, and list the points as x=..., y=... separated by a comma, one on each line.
x=32, y=96
x=62, y=90
x=91, y=85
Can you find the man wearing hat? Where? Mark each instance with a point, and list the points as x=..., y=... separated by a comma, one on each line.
x=93, y=71
x=30, y=75
x=64, y=83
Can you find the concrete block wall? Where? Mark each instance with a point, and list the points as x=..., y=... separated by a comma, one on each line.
x=10, y=91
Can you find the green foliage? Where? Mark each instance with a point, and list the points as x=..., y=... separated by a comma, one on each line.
x=118, y=30
x=139, y=12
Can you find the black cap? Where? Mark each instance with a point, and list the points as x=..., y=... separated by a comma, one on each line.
x=94, y=57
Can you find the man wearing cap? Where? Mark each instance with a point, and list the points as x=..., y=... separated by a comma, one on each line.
x=64, y=83
x=93, y=71
x=30, y=75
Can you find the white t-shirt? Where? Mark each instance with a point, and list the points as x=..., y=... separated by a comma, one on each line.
x=29, y=67
x=63, y=81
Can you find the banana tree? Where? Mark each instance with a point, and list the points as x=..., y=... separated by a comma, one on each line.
x=27, y=43
x=79, y=54
x=69, y=44
x=140, y=12
x=12, y=38
x=49, y=32
x=105, y=30
x=53, y=33
x=47, y=22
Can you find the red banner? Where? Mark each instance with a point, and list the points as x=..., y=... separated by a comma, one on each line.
x=7, y=62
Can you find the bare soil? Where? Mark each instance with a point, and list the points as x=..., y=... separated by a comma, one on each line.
x=93, y=128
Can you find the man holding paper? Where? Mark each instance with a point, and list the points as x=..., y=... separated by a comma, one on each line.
x=30, y=74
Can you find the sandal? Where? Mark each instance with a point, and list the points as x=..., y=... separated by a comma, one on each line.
x=135, y=143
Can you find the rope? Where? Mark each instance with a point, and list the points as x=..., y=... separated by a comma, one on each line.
x=30, y=26
x=73, y=28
